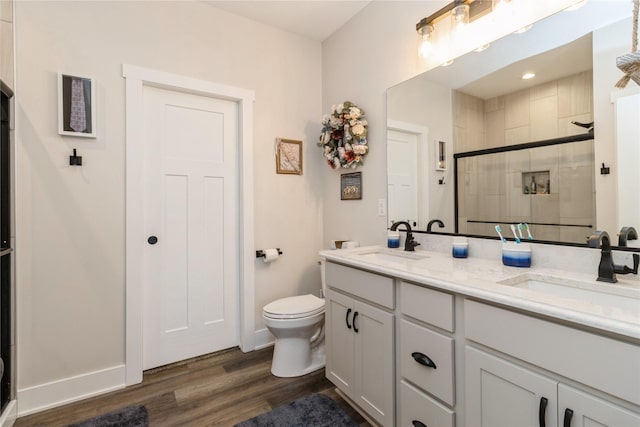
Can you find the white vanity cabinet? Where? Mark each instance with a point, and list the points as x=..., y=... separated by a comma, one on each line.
x=360, y=340
x=524, y=382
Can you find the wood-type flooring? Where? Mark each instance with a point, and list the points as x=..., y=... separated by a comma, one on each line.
x=220, y=389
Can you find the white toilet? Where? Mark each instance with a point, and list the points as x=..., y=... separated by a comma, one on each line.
x=298, y=325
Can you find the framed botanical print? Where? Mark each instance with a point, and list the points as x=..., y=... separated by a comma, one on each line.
x=76, y=106
x=288, y=156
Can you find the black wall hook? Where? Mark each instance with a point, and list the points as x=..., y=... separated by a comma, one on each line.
x=604, y=170
x=75, y=160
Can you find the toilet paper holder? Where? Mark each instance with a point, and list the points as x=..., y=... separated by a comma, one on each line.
x=260, y=253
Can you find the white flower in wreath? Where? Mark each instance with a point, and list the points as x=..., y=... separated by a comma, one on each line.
x=354, y=112
x=358, y=129
x=339, y=108
x=360, y=149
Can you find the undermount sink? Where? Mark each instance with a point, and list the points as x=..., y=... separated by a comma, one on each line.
x=618, y=296
x=391, y=255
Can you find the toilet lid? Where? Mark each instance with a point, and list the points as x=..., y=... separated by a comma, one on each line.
x=294, y=307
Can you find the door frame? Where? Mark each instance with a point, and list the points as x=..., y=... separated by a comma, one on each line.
x=136, y=78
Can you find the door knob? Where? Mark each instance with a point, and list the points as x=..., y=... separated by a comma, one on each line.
x=152, y=240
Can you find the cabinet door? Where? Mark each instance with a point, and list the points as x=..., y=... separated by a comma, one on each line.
x=373, y=332
x=339, y=341
x=578, y=409
x=501, y=394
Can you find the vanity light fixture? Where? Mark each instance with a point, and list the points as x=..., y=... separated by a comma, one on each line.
x=460, y=13
x=527, y=76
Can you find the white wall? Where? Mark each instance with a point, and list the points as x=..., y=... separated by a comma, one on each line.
x=70, y=220
x=375, y=50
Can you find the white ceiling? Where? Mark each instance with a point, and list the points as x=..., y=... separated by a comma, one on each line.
x=316, y=19
x=552, y=65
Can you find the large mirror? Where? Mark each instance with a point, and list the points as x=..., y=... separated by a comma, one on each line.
x=461, y=137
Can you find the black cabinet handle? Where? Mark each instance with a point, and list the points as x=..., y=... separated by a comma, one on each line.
x=423, y=359
x=542, y=410
x=417, y=423
x=568, y=414
x=347, y=318
x=355, y=328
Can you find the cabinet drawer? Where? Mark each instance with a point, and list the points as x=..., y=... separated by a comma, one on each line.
x=433, y=307
x=438, y=348
x=370, y=286
x=417, y=406
x=600, y=362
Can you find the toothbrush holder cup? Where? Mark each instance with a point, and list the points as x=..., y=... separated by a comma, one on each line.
x=516, y=255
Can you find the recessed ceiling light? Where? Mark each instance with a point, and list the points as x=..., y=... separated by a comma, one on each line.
x=576, y=6
x=527, y=76
x=523, y=29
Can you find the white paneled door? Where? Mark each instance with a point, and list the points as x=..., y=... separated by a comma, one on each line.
x=402, y=163
x=191, y=265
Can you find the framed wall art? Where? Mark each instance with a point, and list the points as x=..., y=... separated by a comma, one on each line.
x=441, y=155
x=288, y=156
x=351, y=186
x=76, y=106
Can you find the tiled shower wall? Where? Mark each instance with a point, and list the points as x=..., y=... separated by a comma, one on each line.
x=491, y=187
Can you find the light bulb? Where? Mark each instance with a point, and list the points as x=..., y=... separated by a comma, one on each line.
x=460, y=18
x=426, y=46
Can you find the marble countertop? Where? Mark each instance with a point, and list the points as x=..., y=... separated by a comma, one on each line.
x=480, y=278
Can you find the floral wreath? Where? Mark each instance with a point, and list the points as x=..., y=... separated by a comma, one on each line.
x=344, y=136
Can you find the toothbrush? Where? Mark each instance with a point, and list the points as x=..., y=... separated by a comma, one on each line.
x=526, y=227
x=513, y=230
x=499, y=230
x=520, y=228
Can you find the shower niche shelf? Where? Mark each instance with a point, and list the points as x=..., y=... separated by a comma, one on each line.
x=537, y=182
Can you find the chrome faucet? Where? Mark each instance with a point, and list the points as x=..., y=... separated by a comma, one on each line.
x=434, y=221
x=409, y=243
x=607, y=270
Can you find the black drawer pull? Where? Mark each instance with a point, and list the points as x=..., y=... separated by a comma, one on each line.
x=355, y=328
x=542, y=410
x=347, y=318
x=568, y=414
x=423, y=359
x=417, y=423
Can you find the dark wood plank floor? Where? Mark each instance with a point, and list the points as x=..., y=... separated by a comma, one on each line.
x=220, y=389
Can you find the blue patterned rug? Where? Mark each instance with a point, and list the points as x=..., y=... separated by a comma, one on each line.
x=316, y=410
x=131, y=416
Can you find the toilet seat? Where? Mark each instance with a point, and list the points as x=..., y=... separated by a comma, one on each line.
x=294, y=307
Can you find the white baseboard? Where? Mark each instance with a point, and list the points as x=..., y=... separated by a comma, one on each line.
x=263, y=338
x=67, y=390
x=9, y=414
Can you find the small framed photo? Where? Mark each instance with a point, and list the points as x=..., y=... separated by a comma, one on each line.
x=288, y=156
x=76, y=106
x=351, y=186
x=441, y=155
